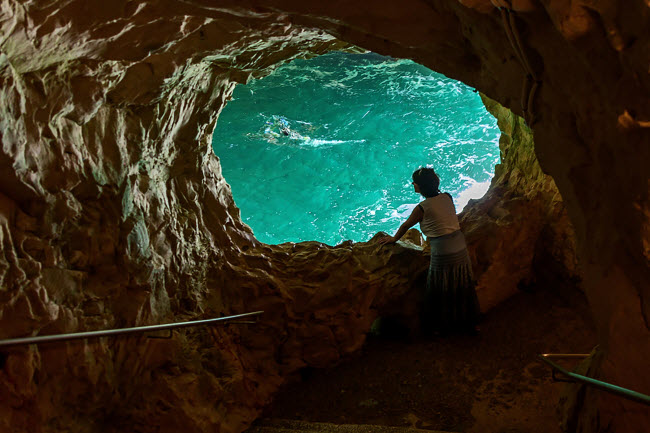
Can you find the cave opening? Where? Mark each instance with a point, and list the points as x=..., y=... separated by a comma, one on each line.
x=323, y=148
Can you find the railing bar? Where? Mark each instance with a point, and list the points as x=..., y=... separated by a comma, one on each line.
x=565, y=355
x=614, y=389
x=120, y=331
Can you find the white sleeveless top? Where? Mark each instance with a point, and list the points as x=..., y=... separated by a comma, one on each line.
x=439, y=216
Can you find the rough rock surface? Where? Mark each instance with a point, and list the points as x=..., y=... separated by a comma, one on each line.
x=519, y=233
x=493, y=382
x=114, y=212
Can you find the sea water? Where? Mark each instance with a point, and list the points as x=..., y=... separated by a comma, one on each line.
x=323, y=149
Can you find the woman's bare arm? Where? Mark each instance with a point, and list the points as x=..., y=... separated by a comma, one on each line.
x=416, y=217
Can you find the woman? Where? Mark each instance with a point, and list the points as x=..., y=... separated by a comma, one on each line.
x=449, y=301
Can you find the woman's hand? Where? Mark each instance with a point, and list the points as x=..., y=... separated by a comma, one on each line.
x=387, y=240
x=416, y=217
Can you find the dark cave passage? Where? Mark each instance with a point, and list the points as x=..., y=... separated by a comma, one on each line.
x=491, y=382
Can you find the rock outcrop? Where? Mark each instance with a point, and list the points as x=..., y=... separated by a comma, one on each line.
x=114, y=212
x=519, y=233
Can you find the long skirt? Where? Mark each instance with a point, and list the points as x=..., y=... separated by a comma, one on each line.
x=449, y=303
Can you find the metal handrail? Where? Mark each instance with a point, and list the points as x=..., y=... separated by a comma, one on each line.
x=608, y=387
x=120, y=331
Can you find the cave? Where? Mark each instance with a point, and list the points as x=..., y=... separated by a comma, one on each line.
x=115, y=213
x=322, y=149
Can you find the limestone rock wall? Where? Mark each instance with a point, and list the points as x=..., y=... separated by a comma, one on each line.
x=519, y=233
x=114, y=211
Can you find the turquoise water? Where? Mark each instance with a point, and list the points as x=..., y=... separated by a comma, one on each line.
x=323, y=149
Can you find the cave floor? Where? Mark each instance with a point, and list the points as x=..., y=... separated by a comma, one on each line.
x=492, y=382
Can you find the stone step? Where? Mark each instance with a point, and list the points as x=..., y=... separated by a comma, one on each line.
x=297, y=426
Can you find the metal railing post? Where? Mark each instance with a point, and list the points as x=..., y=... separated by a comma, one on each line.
x=604, y=386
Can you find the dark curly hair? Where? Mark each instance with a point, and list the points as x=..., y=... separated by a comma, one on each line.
x=428, y=181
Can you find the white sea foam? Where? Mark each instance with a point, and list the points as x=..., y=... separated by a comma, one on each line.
x=474, y=190
x=317, y=142
x=400, y=214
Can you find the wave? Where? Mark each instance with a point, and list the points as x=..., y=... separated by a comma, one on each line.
x=317, y=142
x=473, y=191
